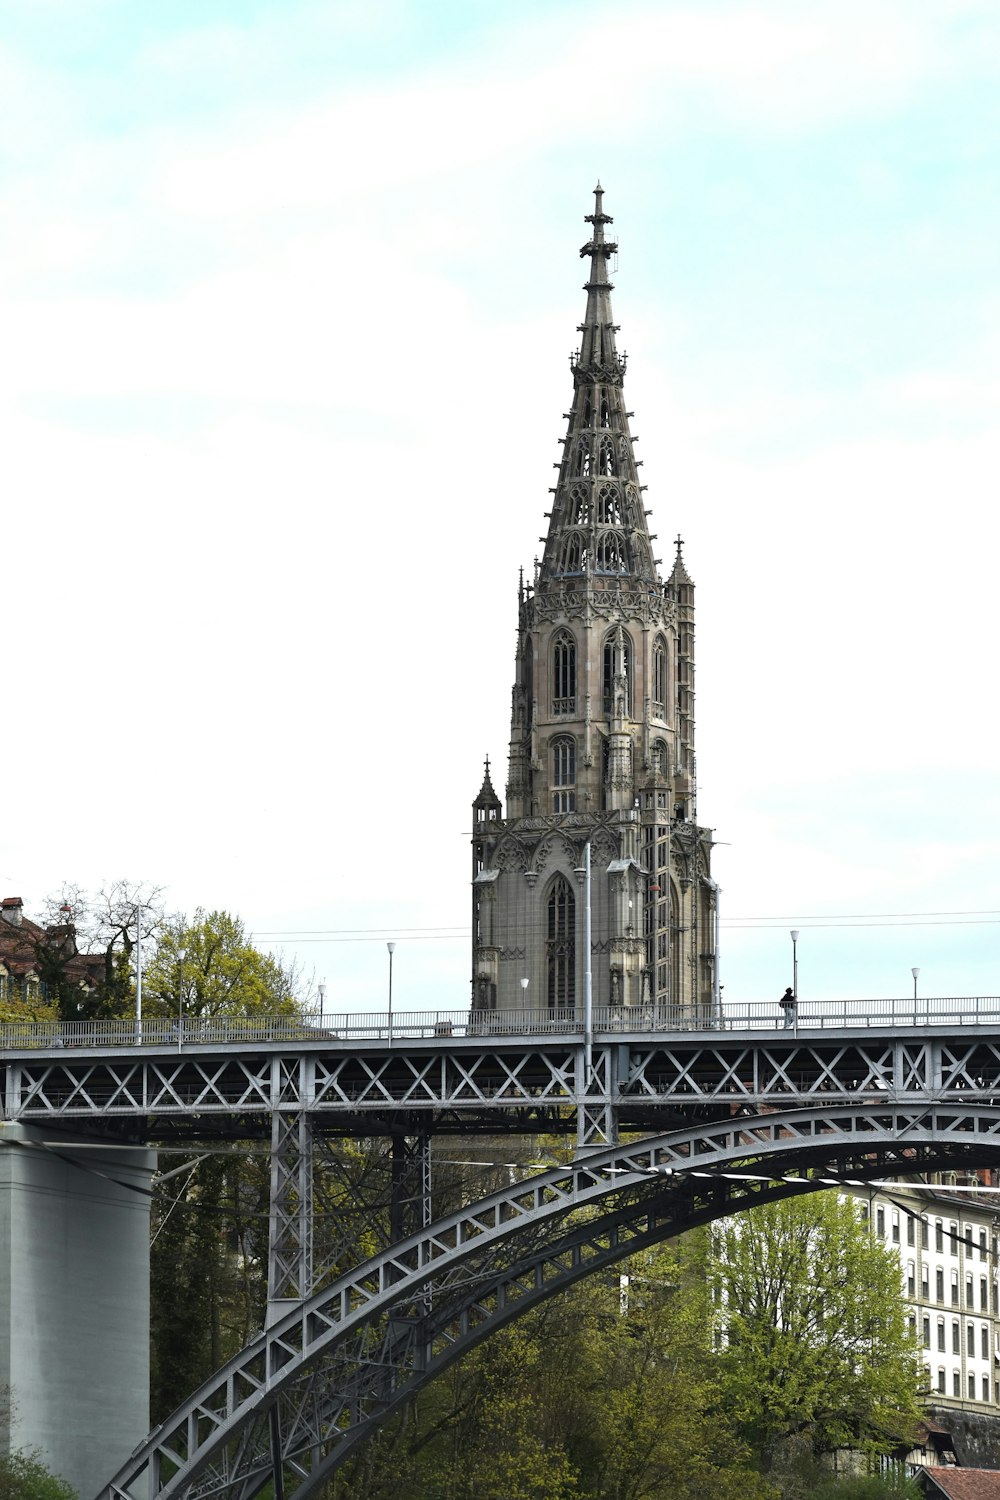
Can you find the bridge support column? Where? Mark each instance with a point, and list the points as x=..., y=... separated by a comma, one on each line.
x=74, y=1314
x=410, y=1194
x=596, y=1088
x=290, y=1227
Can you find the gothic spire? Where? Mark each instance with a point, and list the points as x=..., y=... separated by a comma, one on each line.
x=598, y=538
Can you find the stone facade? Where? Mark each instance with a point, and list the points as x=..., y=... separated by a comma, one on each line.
x=602, y=740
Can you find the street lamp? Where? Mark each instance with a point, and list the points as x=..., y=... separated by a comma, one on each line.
x=392, y=948
x=138, y=976
x=795, y=962
x=180, y=997
x=915, y=971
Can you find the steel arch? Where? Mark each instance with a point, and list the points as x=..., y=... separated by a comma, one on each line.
x=292, y=1405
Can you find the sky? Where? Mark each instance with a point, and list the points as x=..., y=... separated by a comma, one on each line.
x=288, y=290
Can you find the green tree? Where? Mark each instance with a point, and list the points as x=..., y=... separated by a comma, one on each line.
x=209, y=967
x=816, y=1344
x=208, y=1268
x=24, y=1477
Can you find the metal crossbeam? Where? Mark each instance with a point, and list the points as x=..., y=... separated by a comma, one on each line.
x=522, y=1084
x=292, y=1406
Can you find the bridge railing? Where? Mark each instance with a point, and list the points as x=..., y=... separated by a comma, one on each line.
x=450, y=1025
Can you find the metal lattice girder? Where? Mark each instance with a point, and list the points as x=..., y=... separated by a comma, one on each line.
x=290, y=1223
x=291, y=1406
x=526, y=1082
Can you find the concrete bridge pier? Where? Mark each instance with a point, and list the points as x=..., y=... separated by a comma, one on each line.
x=74, y=1299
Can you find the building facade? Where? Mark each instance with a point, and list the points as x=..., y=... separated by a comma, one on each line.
x=947, y=1243
x=601, y=764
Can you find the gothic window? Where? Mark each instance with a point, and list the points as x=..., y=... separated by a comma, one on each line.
x=579, y=497
x=564, y=775
x=607, y=463
x=609, y=506
x=659, y=757
x=564, y=674
x=583, y=458
x=617, y=663
x=588, y=411
x=611, y=554
x=571, y=555
x=605, y=412
x=561, y=946
x=660, y=677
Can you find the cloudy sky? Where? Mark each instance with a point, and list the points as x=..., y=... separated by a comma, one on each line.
x=288, y=289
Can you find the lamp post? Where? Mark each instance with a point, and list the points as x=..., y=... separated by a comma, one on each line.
x=138, y=976
x=915, y=971
x=524, y=992
x=392, y=948
x=795, y=962
x=180, y=998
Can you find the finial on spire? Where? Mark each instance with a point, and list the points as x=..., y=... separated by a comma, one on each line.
x=679, y=544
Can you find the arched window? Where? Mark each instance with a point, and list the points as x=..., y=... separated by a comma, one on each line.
x=660, y=659
x=564, y=674
x=607, y=463
x=560, y=946
x=618, y=673
x=583, y=457
x=579, y=507
x=571, y=555
x=609, y=506
x=564, y=775
x=611, y=554
x=659, y=758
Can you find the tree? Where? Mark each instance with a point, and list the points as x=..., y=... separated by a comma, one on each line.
x=816, y=1346
x=24, y=1477
x=106, y=924
x=208, y=1268
x=209, y=967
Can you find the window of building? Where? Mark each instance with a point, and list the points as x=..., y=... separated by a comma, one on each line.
x=910, y=1229
x=984, y=1301
x=924, y=1291
x=982, y=1244
x=564, y=775
x=954, y=1288
x=984, y=1341
x=956, y=1382
x=925, y=1234
x=880, y=1223
x=911, y=1280
x=938, y=1236
x=968, y=1240
x=939, y=1285
x=659, y=759
x=617, y=663
x=940, y=1334
x=895, y=1226
x=940, y=1381
x=926, y=1332
x=969, y=1300
x=953, y=1237
x=660, y=678
x=986, y=1387
x=972, y=1387
x=564, y=674
x=956, y=1337
x=561, y=945
x=970, y=1341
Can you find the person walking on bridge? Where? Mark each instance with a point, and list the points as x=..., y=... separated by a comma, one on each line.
x=788, y=1002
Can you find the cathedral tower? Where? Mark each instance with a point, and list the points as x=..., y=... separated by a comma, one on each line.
x=602, y=739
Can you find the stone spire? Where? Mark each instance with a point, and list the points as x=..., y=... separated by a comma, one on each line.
x=597, y=526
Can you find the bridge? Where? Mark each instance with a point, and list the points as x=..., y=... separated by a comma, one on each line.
x=731, y=1107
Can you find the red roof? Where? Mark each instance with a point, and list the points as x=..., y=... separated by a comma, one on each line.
x=964, y=1484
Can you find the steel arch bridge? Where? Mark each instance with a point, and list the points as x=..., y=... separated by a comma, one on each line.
x=291, y=1407
x=860, y=1088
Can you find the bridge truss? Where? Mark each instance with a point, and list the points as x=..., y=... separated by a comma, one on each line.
x=293, y=1405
